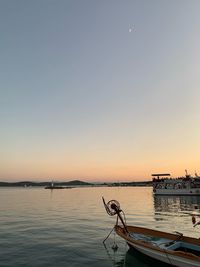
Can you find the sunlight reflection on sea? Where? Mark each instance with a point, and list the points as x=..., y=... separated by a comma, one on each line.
x=66, y=227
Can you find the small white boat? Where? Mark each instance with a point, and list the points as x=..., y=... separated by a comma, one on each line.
x=187, y=185
x=173, y=249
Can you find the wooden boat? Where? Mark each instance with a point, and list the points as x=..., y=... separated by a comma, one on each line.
x=173, y=249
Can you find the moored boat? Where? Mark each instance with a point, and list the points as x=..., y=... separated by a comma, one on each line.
x=173, y=249
x=187, y=185
x=58, y=187
x=52, y=186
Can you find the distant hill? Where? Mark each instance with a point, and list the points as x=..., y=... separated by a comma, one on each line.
x=28, y=183
x=72, y=183
x=138, y=183
x=76, y=182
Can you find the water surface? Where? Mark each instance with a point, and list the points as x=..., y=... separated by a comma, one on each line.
x=41, y=227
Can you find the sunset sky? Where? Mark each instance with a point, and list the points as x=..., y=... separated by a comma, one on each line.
x=99, y=90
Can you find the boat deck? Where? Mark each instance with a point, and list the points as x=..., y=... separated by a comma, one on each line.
x=167, y=244
x=156, y=241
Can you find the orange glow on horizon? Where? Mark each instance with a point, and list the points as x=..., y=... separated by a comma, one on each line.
x=46, y=172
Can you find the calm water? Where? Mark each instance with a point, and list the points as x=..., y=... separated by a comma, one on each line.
x=66, y=227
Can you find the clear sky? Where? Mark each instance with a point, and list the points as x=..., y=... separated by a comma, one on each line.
x=99, y=90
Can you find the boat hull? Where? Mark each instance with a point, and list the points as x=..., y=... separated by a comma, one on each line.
x=163, y=257
x=178, y=192
x=162, y=254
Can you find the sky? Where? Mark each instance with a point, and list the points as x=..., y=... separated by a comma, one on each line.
x=99, y=90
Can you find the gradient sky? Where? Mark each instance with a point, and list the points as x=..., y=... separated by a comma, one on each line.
x=99, y=90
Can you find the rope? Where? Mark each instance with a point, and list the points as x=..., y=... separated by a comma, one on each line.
x=108, y=235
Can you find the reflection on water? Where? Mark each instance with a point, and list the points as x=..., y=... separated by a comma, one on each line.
x=67, y=227
x=176, y=203
x=132, y=258
x=135, y=258
x=173, y=213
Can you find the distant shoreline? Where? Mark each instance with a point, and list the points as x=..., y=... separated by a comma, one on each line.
x=72, y=183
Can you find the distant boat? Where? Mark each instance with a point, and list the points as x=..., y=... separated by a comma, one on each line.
x=52, y=186
x=58, y=187
x=187, y=185
x=173, y=249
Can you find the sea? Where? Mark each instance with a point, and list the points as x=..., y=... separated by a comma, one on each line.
x=41, y=227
